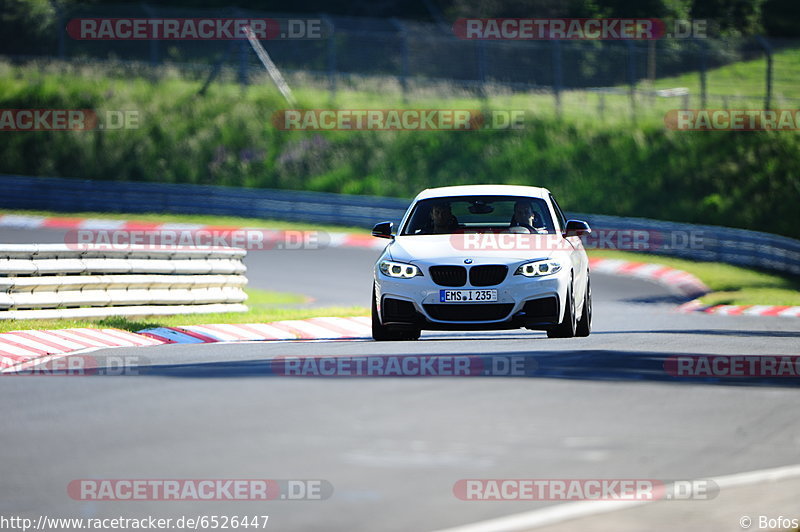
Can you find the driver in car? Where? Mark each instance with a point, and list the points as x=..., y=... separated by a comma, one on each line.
x=442, y=219
x=525, y=216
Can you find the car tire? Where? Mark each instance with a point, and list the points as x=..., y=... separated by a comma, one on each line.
x=584, y=327
x=384, y=333
x=565, y=329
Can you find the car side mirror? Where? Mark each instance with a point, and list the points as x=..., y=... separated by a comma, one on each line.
x=383, y=230
x=577, y=228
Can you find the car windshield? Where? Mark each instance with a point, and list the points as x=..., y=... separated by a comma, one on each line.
x=468, y=214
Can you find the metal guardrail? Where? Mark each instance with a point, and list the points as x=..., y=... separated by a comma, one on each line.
x=72, y=281
x=713, y=243
x=78, y=195
x=708, y=243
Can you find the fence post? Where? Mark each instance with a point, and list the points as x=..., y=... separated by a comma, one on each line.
x=651, y=62
x=331, y=33
x=601, y=106
x=61, y=28
x=768, y=50
x=558, y=81
x=632, y=76
x=482, y=67
x=244, y=50
x=404, y=57
x=703, y=69
x=154, y=55
x=243, y=63
x=217, y=68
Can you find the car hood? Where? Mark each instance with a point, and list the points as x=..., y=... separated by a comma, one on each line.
x=481, y=248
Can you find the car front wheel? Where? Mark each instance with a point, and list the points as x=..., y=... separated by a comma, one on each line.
x=584, y=327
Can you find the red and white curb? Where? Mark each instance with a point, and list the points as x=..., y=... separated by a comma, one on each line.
x=679, y=281
x=266, y=236
x=781, y=311
x=309, y=329
x=686, y=284
x=21, y=348
x=18, y=348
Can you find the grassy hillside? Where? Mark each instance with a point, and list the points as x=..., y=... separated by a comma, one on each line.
x=749, y=180
x=747, y=79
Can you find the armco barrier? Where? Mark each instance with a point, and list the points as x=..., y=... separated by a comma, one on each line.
x=61, y=281
x=706, y=243
x=76, y=195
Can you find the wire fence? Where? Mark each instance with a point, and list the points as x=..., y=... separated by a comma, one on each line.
x=413, y=60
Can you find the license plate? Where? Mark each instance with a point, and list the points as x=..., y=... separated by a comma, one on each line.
x=467, y=296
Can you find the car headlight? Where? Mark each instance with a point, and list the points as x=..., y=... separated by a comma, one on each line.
x=399, y=269
x=538, y=268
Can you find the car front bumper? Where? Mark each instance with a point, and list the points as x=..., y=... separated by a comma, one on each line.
x=522, y=301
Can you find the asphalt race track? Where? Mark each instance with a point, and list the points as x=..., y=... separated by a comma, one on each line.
x=393, y=448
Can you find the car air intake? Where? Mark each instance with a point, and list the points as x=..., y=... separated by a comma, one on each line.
x=487, y=275
x=449, y=275
x=469, y=312
x=397, y=310
x=544, y=309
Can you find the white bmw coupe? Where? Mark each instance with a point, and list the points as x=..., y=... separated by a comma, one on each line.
x=482, y=257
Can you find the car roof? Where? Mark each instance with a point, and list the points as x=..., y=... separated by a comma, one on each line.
x=483, y=190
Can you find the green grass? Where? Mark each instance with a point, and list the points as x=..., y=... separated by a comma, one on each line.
x=222, y=221
x=264, y=306
x=730, y=285
x=746, y=79
x=740, y=84
x=604, y=165
x=737, y=85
